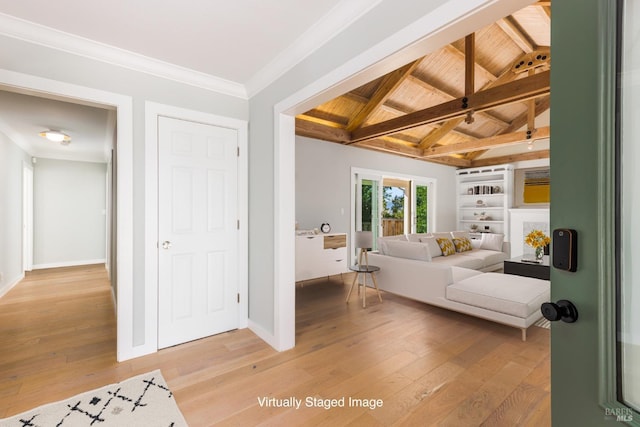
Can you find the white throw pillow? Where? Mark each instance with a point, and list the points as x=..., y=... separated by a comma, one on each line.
x=382, y=246
x=492, y=241
x=442, y=235
x=408, y=250
x=460, y=234
x=382, y=242
x=415, y=237
x=432, y=245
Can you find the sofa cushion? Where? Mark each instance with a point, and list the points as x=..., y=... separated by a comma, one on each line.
x=488, y=257
x=505, y=293
x=442, y=234
x=462, y=244
x=408, y=250
x=458, y=261
x=459, y=234
x=382, y=242
x=492, y=241
x=434, y=248
x=446, y=246
x=415, y=237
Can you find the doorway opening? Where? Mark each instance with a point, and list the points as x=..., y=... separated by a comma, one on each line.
x=119, y=206
x=68, y=190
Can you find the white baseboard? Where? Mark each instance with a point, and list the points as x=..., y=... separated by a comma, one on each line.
x=68, y=263
x=10, y=285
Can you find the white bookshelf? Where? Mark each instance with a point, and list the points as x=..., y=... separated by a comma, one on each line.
x=484, y=198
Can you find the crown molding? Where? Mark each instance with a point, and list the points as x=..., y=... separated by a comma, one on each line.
x=45, y=36
x=326, y=28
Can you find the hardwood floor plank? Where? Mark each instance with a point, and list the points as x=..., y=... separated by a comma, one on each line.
x=427, y=365
x=481, y=403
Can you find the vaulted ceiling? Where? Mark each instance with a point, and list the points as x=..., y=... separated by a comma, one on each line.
x=478, y=101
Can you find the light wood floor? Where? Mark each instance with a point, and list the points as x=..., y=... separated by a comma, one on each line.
x=429, y=366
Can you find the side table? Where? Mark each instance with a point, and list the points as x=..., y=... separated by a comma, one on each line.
x=364, y=269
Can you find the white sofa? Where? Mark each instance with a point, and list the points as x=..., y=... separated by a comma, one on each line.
x=487, y=254
x=507, y=299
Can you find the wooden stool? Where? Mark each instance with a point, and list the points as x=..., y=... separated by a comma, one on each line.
x=364, y=269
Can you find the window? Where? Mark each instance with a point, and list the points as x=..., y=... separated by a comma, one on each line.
x=390, y=204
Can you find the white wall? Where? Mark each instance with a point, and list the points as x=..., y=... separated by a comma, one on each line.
x=12, y=161
x=323, y=180
x=69, y=220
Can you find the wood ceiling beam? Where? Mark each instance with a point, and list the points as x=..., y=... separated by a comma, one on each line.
x=486, y=143
x=435, y=136
x=531, y=155
x=386, y=147
x=450, y=161
x=542, y=105
x=356, y=98
x=482, y=71
x=388, y=85
x=511, y=29
x=469, y=64
x=316, y=130
x=391, y=147
x=537, y=60
x=334, y=119
x=448, y=96
x=395, y=108
x=517, y=90
x=461, y=132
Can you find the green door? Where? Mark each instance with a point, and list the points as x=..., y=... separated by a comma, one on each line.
x=593, y=378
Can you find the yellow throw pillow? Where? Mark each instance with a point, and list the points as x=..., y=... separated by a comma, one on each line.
x=446, y=246
x=462, y=244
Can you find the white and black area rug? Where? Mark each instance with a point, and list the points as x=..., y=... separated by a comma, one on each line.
x=144, y=400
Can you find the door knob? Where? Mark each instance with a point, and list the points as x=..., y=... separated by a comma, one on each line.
x=562, y=310
x=166, y=244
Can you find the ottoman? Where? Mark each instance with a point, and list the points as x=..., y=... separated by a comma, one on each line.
x=503, y=293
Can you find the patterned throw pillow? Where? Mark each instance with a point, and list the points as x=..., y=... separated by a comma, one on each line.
x=446, y=246
x=462, y=244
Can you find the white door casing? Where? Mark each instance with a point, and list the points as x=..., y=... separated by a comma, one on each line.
x=197, y=230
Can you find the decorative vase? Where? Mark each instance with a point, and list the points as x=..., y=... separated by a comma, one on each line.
x=539, y=253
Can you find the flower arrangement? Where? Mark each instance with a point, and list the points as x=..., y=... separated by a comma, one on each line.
x=537, y=240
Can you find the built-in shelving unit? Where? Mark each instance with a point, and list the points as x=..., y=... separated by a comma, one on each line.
x=484, y=198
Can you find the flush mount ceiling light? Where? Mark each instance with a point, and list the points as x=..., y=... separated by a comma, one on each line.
x=56, y=136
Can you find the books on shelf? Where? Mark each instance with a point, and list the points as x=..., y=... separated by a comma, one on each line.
x=484, y=189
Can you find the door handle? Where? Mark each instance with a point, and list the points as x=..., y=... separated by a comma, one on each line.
x=562, y=310
x=166, y=244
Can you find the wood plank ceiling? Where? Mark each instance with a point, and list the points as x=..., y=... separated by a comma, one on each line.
x=479, y=101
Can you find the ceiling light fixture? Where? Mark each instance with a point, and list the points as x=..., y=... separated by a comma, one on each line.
x=56, y=136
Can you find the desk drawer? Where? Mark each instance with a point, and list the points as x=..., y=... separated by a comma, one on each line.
x=335, y=242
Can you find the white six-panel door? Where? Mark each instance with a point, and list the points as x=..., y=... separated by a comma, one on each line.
x=197, y=229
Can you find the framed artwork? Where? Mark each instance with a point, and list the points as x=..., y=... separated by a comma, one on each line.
x=532, y=187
